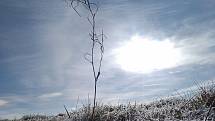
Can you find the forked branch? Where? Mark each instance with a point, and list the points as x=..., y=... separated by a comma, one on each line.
x=97, y=42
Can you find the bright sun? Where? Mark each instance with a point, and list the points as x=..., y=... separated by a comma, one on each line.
x=144, y=55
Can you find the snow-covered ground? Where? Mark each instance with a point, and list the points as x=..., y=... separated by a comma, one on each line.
x=196, y=108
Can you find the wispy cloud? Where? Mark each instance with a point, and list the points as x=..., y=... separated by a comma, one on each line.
x=3, y=102
x=50, y=95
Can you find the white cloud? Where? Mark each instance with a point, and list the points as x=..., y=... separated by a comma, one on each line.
x=50, y=95
x=3, y=102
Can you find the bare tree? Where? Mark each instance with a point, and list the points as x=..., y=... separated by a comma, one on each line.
x=97, y=41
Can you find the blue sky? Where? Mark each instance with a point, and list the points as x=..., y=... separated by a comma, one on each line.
x=42, y=45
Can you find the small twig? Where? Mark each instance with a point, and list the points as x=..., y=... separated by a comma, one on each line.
x=74, y=7
x=86, y=55
x=67, y=111
x=77, y=104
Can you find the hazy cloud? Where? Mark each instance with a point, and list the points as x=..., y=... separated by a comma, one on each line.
x=50, y=95
x=3, y=102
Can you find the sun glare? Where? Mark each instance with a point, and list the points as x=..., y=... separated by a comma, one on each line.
x=144, y=55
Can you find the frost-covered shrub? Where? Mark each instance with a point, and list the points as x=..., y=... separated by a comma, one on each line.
x=178, y=109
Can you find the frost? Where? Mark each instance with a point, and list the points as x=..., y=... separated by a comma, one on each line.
x=170, y=109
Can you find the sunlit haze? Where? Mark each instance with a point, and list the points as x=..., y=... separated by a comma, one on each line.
x=144, y=55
